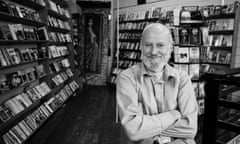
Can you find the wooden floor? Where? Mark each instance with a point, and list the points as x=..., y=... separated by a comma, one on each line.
x=87, y=118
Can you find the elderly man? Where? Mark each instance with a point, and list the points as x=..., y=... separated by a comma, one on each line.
x=156, y=102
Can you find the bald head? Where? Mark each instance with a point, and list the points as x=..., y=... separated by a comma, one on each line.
x=158, y=29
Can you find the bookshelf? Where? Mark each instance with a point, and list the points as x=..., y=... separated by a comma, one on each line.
x=37, y=74
x=221, y=120
x=77, y=41
x=223, y=36
x=187, y=36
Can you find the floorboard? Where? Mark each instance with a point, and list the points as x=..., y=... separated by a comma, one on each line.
x=87, y=118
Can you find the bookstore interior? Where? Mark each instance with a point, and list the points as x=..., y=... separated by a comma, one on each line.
x=52, y=51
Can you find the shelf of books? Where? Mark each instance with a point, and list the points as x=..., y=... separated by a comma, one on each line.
x=208, y=44
x=223, y=36
x=36, y=71
x=77, y=41
x=187, y=36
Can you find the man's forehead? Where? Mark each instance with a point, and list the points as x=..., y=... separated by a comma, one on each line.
x=155, y=33
x=156, y=30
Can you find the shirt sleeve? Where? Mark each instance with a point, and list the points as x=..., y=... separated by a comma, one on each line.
x=186, y=126
x=136, y=124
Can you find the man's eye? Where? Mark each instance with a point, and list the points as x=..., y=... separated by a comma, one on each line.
x=160, y=45
x=148, y=45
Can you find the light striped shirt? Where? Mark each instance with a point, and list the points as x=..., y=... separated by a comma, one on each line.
x=156, y=104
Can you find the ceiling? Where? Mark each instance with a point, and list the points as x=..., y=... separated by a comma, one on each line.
x=94, y=4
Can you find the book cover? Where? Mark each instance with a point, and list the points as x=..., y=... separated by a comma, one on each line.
x=13, y=56
x=7, y=33
x=21, y=101
x=3, y=60
x=217, y=10
x=217, y=40
x=25, y=127
x=40, y=71
x=7, y=139
x=13, y=28
x=4, y=113
x=227, y=24
x=24, y=54
x=4, y=87
x=33, y=95
x=156, y=12
x=195, y=36
x=183, y=36
x=194, y=54
x=18, y=135
x=26, y=99
x=13, y=9
x=226, y=40
x=4, y=7
x=147, y=16
x=15, y=137
x=194, y=71
x=224, y=57
x=20, y=132
x=42, y=33
x=203, y=68
x=43, y=52
x=14, y=80
x=231, y=8
x=205, y=36
x=212, y=25
x=183, y=54
x=34, y=53
x=14, y=107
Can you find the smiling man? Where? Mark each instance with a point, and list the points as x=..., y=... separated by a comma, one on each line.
x=157, y=104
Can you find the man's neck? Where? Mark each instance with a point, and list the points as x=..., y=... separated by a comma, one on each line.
x=159, y=70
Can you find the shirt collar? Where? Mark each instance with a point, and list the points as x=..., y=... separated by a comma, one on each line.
x=167, y=73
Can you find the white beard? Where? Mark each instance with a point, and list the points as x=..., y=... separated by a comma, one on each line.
x=155, y=64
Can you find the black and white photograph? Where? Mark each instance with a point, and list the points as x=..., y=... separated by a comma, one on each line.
x=119, y=72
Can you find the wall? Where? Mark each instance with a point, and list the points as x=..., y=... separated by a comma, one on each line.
x=125, y=6
x=167, y=3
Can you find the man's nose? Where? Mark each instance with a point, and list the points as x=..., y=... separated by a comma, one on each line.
x=154, y=50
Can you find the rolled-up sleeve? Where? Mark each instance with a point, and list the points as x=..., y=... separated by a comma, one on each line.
x=136, y=124
x=186, y=126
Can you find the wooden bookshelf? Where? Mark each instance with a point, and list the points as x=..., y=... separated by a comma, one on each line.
x=22, y=65
x=29, y=3
x=22, y=42
x=225, y=48
x=10, y=123
x=57, y=15
x=60, y=30
x=222, y=16
x=12, y=93
x=15, y=19
x=8, y=95
x=223, y=32
x=140, y=20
